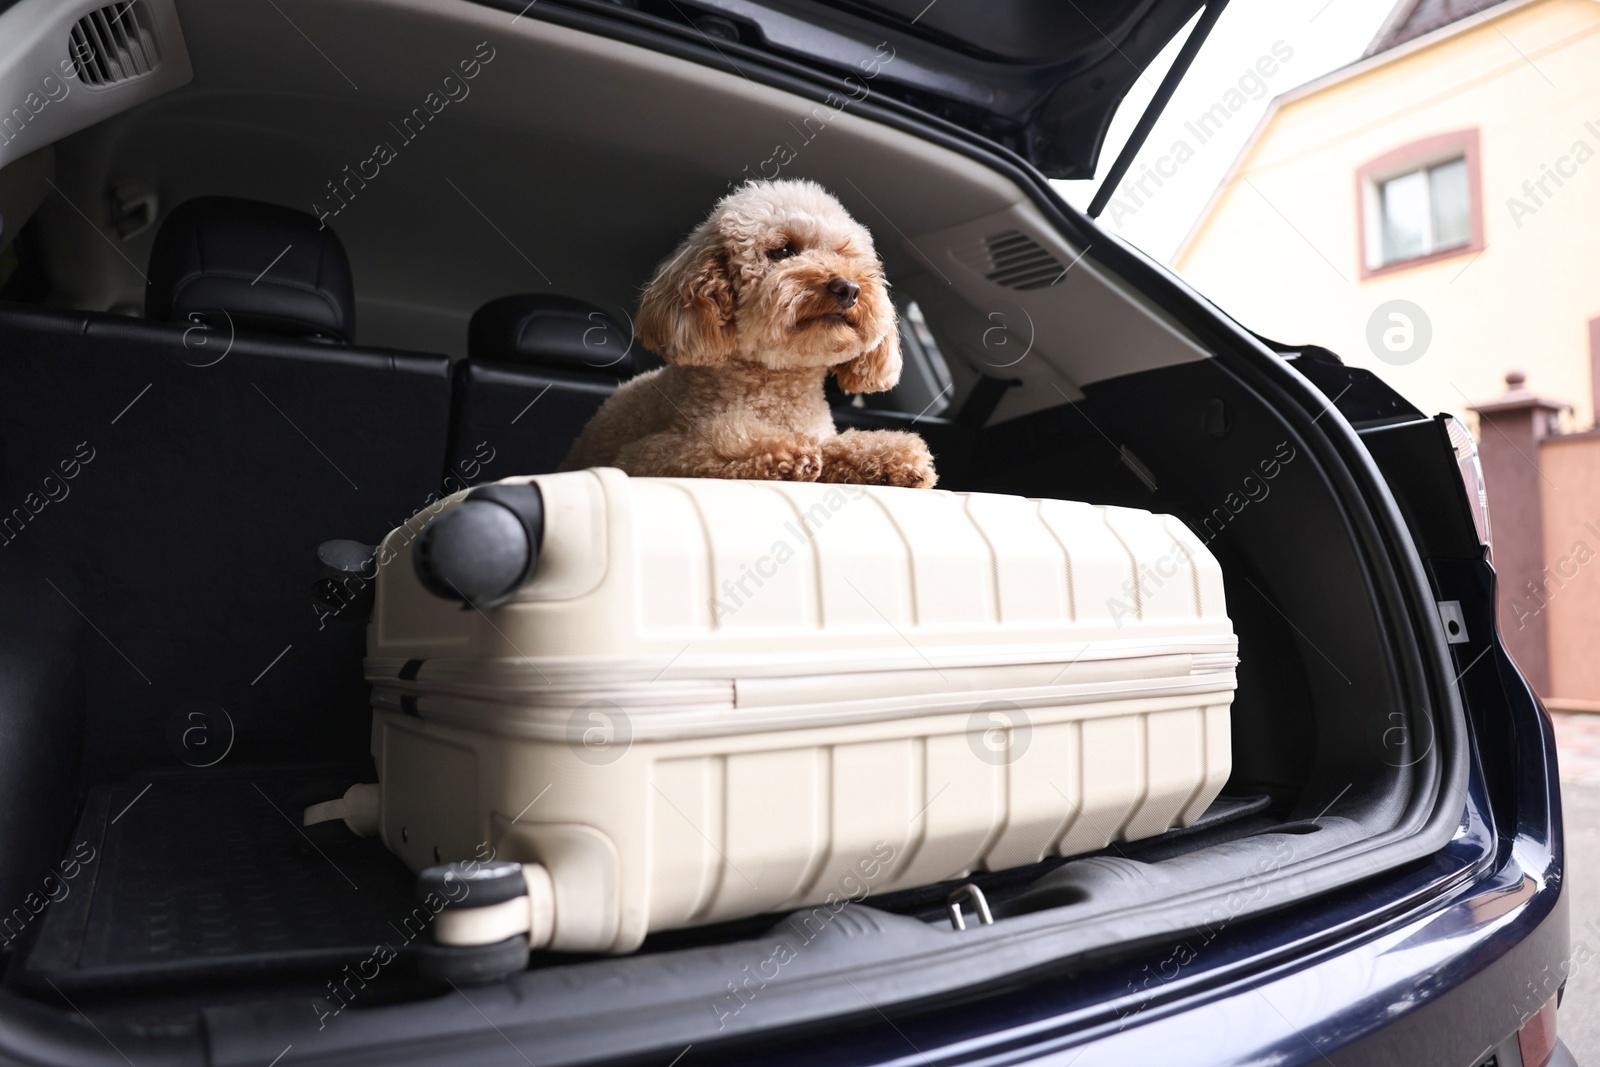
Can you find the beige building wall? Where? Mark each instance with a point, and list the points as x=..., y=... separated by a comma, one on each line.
x=1570, y=491
x=1279, y=247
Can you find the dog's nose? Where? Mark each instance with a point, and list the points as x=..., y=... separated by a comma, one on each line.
x=845, y=291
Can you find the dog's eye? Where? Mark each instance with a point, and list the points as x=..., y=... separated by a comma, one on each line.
x=782, y=253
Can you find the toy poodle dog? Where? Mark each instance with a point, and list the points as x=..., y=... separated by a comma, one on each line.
x=776, y=289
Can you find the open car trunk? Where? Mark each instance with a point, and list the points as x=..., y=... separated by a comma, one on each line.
x=158, y=754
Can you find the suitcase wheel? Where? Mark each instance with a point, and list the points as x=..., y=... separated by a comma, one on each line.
x=471, y=964
x=481, y=553
x=481, y=908
x=473, y=885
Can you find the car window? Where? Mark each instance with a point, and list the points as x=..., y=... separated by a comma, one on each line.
x=926, y=387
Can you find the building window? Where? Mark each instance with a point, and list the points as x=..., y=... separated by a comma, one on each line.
x=1424, y=211
x=1419, y=203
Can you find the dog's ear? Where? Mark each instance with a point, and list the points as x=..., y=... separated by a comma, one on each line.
x=686, y=312
x=873, y=371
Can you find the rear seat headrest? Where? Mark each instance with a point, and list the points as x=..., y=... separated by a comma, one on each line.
x=551, y=331
x=271, y=268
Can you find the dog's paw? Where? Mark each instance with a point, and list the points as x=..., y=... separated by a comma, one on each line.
x=908, y=464
x=797, y=461
x=879, y=457
x=917, y=473
x=808, y=466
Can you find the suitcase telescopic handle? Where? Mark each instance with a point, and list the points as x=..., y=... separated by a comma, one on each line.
x=482, y=552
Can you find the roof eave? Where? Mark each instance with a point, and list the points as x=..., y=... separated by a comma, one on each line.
x=1397, y=16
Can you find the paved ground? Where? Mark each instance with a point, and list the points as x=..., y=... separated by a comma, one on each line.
x=1578, y=740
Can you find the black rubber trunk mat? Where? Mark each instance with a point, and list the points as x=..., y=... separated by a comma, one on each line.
x=196, y=875
x=199, y=875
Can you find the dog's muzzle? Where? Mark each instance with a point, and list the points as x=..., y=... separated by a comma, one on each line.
x=845, y=291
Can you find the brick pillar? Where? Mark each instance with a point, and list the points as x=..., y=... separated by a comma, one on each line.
x=1510, y=428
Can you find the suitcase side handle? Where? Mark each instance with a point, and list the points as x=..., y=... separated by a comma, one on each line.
x=486, y=549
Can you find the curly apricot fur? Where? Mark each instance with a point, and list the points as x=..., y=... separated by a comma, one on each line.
x=745, y=318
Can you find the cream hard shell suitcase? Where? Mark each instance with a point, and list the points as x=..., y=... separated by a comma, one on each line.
x=698, y=700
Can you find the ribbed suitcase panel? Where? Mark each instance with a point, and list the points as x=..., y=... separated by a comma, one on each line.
x=763, y=831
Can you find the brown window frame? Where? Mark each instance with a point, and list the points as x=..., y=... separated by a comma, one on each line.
x=1415, y=155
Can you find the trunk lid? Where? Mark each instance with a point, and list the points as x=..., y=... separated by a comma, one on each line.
x=1038, y=77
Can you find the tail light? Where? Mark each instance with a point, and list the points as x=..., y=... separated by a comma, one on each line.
x=1471, y=476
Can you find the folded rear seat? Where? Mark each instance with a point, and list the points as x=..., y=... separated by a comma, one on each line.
x=175, y=477
x=538, y=367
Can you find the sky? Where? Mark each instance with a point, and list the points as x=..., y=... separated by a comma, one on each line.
x=1257, y=50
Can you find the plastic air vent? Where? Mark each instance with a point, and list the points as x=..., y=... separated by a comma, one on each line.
x=114, y=44
x=1017, y=261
